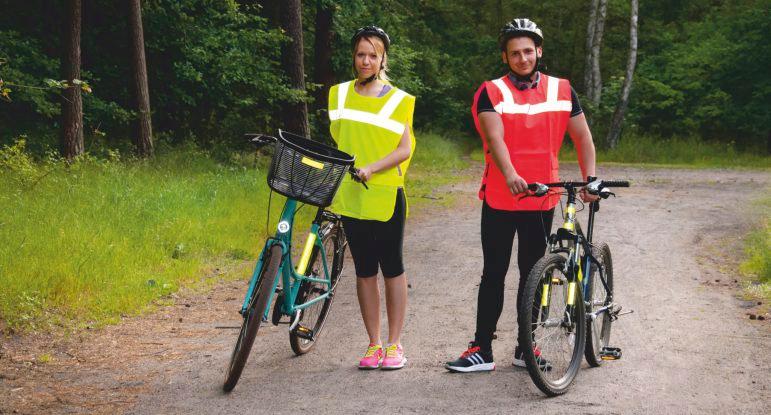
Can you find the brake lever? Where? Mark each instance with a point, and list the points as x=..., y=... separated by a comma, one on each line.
x=606, y=193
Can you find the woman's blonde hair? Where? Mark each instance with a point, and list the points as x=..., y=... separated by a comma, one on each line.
x=376, y=43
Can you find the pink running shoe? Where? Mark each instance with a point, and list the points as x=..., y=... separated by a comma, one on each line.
x=373, y=358
x=394, y=357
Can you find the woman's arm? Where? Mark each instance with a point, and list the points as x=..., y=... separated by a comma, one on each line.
x=392, y=159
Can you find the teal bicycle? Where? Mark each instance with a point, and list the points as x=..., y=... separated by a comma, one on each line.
x=307, y=172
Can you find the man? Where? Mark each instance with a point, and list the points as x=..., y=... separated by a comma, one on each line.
x=521, y=118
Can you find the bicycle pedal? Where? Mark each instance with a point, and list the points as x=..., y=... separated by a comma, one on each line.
x=304, y=332
x=610, y=353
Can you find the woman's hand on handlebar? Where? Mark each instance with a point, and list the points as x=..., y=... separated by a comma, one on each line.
x=364, y=173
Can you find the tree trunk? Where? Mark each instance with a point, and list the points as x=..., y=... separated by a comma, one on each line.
x=71, y=140
x=323, y=52
x=590, y=28
x=295, y=113
x=599, y=30
x=143, y=138
x=618, y=115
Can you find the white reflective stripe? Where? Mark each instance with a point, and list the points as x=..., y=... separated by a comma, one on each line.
x=393, y=102
x=552, y=87
x=552, y=104
x=342, y=93
x=531, y=109
x=367, y=118
x=508, y=99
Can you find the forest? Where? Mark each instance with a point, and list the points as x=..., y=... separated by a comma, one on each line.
x=214, y=70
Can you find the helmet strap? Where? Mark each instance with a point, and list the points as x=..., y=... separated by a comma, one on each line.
x=368, y=80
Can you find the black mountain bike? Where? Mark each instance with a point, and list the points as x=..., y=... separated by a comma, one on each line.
x=568, y=306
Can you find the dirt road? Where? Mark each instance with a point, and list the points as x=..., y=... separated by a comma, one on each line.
x=688, y=347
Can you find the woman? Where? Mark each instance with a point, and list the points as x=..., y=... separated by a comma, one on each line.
x=372, y=120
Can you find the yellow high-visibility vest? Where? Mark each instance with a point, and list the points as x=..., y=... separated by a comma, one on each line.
x=370, y=128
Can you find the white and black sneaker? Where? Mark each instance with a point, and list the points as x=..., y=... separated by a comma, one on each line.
x=472, y=360
x=519, y=359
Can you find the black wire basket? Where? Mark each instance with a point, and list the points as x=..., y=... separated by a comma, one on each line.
x=306, y=170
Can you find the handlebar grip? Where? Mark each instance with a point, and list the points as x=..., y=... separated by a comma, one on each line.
x=615, y=183
x=259, y=140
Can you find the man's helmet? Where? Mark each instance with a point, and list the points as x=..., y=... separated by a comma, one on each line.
x=517, y=28
x=371, y=31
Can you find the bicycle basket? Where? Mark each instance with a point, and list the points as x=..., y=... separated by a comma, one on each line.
x=306, y=170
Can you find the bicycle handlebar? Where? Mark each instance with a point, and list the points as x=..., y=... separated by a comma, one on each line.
x=594, y=187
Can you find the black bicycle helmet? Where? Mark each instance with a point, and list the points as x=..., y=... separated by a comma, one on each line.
x=371, y=31
x=520, y=27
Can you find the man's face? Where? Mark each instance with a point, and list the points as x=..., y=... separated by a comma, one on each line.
x=521, y=54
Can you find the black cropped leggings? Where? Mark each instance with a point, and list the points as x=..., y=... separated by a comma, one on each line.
x=498, y=230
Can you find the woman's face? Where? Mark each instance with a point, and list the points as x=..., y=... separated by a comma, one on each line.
x=366, y=59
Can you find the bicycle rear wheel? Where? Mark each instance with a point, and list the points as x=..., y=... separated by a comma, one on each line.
x=304, y=336
x=253, y=317
x=598, y=329
x=551, y=330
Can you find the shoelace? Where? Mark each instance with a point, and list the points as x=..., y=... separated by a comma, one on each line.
x=391, y=351
x=371, y=350
x=470, y=351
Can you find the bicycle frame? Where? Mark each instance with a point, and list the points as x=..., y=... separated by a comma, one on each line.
x=291, y=278
x=579, y=269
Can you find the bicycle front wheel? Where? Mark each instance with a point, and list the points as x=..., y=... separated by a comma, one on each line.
x=253, y=317
x=552, y=326
x=307, y=331
x=598, y=329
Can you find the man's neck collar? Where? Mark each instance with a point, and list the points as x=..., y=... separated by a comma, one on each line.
x=523, y=85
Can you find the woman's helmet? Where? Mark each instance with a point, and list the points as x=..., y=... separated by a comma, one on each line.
x=371, y=31
x=517, y=28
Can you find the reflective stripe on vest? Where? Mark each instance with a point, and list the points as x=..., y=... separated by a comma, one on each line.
x=382, y=119
x=552, y=104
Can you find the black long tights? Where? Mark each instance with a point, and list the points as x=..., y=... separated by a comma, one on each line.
x=498, y=230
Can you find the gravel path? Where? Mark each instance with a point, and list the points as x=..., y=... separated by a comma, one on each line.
x=688, y=347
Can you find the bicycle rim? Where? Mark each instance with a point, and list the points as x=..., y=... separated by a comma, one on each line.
x=253, y=318
x=552, y=337
x=598, y=330
x=314, y=316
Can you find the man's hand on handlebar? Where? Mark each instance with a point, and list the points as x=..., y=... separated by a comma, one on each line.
x=516, y=184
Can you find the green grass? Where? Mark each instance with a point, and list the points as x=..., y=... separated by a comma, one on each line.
x=88, y=243
x=757, y=248
x=679, y=152
x=438, y=161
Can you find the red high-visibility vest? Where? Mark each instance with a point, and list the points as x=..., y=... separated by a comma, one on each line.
x=534, y=123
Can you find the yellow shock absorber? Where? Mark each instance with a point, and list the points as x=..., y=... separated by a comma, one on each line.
x=545, y=295
x=306, y=256
x=571, y=293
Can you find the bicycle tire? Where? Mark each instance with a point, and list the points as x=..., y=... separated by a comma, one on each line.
x=532, y=318
x=253, y=317
x=598, y=331
x=315, y=316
